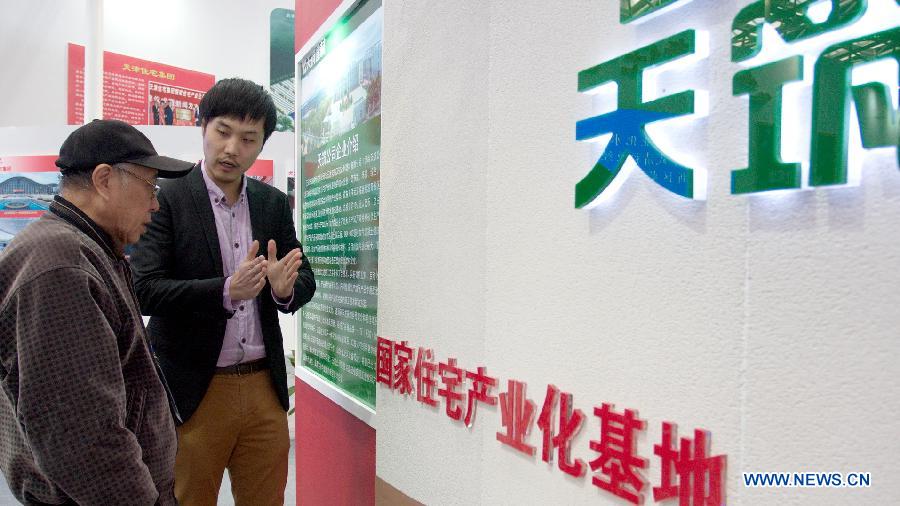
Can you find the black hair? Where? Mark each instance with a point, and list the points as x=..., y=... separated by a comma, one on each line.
x=239, y=98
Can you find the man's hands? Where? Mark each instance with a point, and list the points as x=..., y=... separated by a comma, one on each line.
x=250, y=276
x=282, y=273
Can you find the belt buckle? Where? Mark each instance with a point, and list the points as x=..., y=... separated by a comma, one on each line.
x=243, y=369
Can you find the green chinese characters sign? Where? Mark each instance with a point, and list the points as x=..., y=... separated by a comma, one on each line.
x=632, y=10
x=833, y=95
x=339, y=152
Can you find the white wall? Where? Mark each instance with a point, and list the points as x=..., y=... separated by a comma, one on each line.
x=433, y=230
x=227, y=38
x=770, y=321
x=33, y=38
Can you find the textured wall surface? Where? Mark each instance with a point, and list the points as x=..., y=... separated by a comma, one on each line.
x=435, y=170
x=769, y=320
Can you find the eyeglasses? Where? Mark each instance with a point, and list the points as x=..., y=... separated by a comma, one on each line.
x=148, y=182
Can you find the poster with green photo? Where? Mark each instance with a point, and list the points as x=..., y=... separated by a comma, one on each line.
x=339, y=154
x=281, y=66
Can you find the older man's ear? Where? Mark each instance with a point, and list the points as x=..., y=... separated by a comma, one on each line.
x=101, y=178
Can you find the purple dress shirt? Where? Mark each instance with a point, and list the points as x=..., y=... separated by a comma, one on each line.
x=243, y=333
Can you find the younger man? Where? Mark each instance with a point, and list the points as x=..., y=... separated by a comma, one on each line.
x=218, y=261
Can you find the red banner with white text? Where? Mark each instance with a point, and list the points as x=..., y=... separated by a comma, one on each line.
x=142, y=92
x=75, y=88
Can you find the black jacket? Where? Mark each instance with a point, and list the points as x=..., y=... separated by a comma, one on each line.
x=179, y=280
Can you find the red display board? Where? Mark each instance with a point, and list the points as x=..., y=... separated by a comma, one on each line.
x=75, y=95
x=37, y=163
x=142, y=92
x=263, y=171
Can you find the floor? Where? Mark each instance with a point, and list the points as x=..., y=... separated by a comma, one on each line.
x=386, y=494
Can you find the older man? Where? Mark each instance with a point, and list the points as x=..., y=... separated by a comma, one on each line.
x=84, y=413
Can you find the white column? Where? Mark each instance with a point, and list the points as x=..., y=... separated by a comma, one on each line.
x=93, y=63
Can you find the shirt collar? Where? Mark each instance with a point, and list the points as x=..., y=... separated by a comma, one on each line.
x=76, y=217
x=215, y=192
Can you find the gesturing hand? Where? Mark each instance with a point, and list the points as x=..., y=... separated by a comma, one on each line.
x=282, y=273
x=250, y=276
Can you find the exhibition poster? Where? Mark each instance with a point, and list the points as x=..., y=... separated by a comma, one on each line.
x=281, y=67
x=75, y=89
x=339, y=150
x=141, y=92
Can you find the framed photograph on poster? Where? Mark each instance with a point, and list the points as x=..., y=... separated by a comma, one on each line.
x=338, y=112
x=27, y=186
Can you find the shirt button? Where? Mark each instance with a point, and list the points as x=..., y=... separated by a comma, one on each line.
x=232, y=215
x=241, y=308
x=217, y=201
x=244, y=340
x=236, y=245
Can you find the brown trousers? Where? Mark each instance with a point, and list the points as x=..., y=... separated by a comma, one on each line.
x=241, y=426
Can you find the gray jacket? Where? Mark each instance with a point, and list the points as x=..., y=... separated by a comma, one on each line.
x=84, y=417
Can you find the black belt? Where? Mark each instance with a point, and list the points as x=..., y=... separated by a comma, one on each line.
x=244, y=368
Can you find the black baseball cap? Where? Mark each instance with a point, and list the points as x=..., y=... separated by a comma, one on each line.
x=112, y=141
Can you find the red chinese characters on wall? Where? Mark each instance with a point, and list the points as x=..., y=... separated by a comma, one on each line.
x=424, y=373
x=697, y=478
x=403, y=369
x=687, y=474
x=384, y=362
x=517, y=413
x=570, y=422
x=618, y=462
x=479, y=392
x=453, y=378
